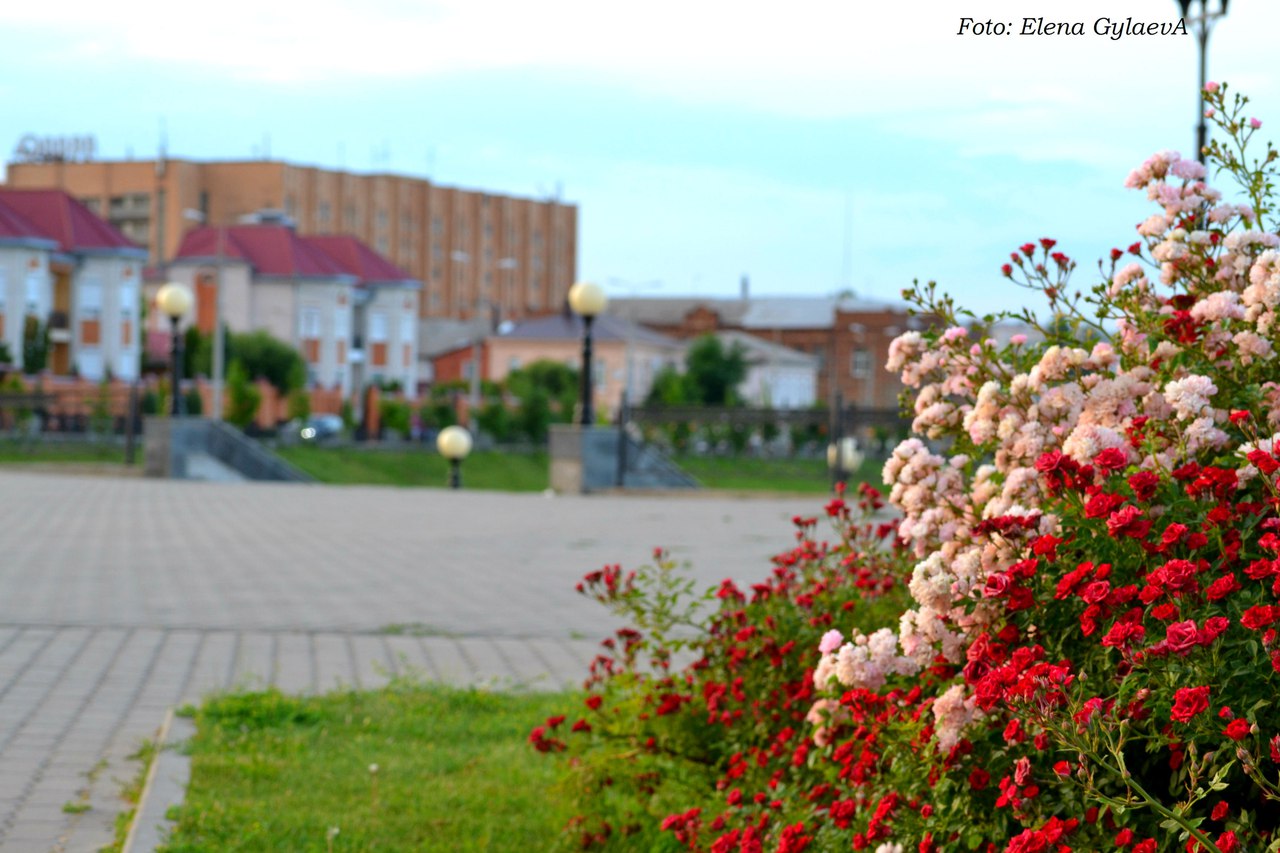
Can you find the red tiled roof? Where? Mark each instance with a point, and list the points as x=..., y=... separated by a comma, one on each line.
x=358, y=259
x=269, y=249
x=58, y=216
x=14, y=226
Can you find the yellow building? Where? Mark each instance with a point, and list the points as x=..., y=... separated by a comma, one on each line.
x=476, y=253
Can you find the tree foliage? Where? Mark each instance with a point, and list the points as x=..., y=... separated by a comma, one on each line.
x=711, y=376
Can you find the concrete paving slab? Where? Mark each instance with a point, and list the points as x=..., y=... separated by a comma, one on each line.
x=126, y=596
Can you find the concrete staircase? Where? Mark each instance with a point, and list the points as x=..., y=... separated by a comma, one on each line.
x=203, y=449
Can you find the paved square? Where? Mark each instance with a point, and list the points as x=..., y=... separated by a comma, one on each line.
x=123, y=596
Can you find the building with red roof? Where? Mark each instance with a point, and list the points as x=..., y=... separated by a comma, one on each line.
x=67, y=273
x=385, y=347
x=326, y=296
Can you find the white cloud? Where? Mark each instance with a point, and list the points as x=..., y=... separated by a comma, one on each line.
x=810, y=57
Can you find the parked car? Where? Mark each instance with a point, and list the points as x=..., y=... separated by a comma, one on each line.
x=319, y=428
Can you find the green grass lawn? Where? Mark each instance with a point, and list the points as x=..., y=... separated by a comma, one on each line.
x=508, y=472
x=803, y=476
x=454, y=772
x=15, y=450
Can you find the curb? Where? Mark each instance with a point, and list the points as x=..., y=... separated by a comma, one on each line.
x=165, y=786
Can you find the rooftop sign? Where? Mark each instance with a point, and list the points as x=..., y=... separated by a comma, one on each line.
x=54, y=149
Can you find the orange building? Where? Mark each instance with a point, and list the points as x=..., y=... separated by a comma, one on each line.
x=476, y=253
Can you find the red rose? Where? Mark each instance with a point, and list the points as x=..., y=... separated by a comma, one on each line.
x=1111, y=459
x=1237, y=729
x=1220, y=810
x=1101, y=505
x=1189, y=701
x=1214, y=627
x=1096, y=591
x=1128, y=521
x=1182, y=637
x=1257, y=618
x=1144, y=484
x=1222, y=587
x=978, y=778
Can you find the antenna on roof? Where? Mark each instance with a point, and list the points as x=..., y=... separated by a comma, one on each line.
x=162, y=153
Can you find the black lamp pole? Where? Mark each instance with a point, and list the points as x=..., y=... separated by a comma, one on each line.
x=588, y=417
x=455, y=473
x=176, y=376
x=1202, y=26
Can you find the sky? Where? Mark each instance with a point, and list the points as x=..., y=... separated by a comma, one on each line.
x=813, y=146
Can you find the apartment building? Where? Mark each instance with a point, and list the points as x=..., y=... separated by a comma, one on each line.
x=476, y=253
x=349, y=312
x=68, y=275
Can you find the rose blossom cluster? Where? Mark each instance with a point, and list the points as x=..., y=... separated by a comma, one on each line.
x=970, y=511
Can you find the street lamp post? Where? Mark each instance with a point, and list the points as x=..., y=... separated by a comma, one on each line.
x=219, y=342
x=174, y=300
x=1201, y=26
x=587, y=300
x=454, y=443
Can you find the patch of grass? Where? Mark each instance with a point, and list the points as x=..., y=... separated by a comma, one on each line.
x=508, y=472
x=410, y=767
x=20, y=451
x=75, y=807
x=131, y=793
x=802, y=476
x=411, y=629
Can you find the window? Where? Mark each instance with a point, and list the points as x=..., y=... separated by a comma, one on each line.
x=860, y=364
x=323, y=213
x=3, y=303
x=128, y=306
x=513, y=364
x=309, y=331
x=90, y=312
x=378, y=339
x=33, y=302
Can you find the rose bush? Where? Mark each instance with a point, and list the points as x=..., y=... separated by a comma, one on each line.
x=1090, y=537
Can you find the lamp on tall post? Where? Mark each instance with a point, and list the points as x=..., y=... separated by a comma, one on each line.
x=587, y=300
x=174, y=300
x=1201, y=26
x=219, y=335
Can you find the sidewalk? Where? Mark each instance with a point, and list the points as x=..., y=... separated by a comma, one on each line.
x=123, y=597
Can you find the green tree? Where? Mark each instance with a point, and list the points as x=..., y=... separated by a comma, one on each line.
x=298, y=405
x=35, y=345
x=494, y=419
x=669, y=388
x=243, y=396
x=395, y=415
x=713, y=373
x=269, y=358
x=557, y=380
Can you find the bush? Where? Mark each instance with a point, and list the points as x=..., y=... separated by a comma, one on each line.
x=396, y=416
x=243, y=397
x=1092, y=543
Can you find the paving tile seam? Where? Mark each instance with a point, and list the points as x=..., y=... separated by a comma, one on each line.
x=126, y=709
x=22, y=670
x=38, y=774
x=571, y=636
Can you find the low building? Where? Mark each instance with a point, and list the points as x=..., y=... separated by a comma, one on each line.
x=626, y=356
x=778, y=377
x=75, y=277
x=849, y=337
x=385, y=344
